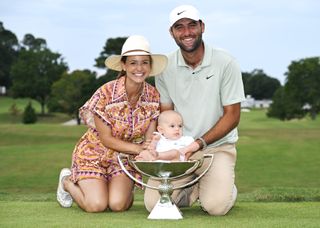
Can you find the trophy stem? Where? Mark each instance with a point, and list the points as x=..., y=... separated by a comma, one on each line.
x=165, y=189
x=165, y=208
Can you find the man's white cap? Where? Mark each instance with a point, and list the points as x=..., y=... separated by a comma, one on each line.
x=184, y=11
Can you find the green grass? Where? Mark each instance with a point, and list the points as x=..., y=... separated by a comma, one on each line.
x=6, y=115
x=21, y=103
x=245, y=214
x=278, y=155
x=277, y=176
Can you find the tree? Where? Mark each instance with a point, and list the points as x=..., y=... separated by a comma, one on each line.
x=35, y=71
x=72, y=91
x=112, y=47
x=9, y=47
x=300, y=95
x=283, y=107
x=33, y=43
x=259, y=85
x=245, y=78
x=303, y=83
x=277, y=107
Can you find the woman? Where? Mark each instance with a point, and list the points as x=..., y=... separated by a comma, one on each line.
x=121, y=116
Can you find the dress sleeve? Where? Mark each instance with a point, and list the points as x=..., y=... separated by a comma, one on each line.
x=96, y=105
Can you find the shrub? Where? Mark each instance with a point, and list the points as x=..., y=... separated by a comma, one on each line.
x=14, y=111
x=29, y=115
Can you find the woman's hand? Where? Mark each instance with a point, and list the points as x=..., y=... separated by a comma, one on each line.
x=146, y=144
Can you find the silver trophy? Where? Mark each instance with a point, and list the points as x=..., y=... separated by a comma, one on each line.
x=165, y=172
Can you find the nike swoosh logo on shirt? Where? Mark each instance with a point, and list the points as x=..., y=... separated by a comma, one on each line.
x=209, y=76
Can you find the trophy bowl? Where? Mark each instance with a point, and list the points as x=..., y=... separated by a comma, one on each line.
x=160, y=169
x=165, y=171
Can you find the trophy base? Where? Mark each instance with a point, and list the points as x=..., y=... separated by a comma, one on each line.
x=166, y=210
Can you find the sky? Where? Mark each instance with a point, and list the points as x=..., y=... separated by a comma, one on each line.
x=260, y=34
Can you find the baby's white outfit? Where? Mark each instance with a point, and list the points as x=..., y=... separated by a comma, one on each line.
x=165, y=144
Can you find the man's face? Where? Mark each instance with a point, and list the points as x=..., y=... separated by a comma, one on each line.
x=188, y=34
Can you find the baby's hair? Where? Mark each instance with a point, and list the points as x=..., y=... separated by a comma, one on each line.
x=164, y=115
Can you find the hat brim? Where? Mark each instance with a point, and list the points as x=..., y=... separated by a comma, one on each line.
x=159, y=63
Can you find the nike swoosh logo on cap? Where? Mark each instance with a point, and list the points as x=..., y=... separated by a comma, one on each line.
x=180, y=12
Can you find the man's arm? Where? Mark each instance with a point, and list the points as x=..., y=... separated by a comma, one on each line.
x=229, y=120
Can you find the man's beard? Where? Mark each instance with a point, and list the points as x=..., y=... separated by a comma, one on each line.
x=194, y=47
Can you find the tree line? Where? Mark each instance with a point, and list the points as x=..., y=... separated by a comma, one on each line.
x=30, y=69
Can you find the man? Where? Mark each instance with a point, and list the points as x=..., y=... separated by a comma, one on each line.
x=205, y=86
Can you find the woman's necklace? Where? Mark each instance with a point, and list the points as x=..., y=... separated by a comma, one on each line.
x=134, y=98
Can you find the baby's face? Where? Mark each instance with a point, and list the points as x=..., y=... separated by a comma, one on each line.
x=172, y=128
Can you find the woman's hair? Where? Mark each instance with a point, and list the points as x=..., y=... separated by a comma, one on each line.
x=122, y=72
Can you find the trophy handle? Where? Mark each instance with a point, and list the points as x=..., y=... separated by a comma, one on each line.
x=201, y=175
x=129, y=174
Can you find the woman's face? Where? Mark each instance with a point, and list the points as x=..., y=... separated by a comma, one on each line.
x=137, y=67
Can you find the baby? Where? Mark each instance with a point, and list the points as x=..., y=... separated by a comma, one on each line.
x=168, y=141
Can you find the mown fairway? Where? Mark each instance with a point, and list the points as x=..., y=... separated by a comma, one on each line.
x=277, y=176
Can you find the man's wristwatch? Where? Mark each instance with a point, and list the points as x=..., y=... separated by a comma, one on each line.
x=202, y=143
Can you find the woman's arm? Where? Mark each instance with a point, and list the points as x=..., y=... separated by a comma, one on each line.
x=152, y=128
x=113, y=143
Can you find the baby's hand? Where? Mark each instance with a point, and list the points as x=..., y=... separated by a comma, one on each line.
x=156, y=136
x=183, y=151
x=189, y=150
x=187, y=156
x=145, y=155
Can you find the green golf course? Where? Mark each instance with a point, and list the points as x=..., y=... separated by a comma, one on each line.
x=277, y=175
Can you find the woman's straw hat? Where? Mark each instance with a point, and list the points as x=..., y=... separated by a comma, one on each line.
x=137, y=45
